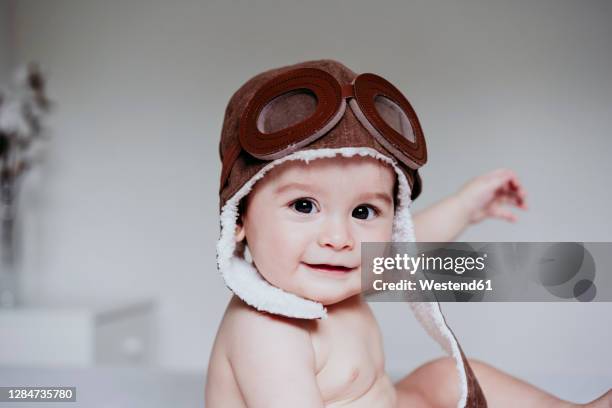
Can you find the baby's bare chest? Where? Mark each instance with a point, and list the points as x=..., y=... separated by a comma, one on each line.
x=349, y=358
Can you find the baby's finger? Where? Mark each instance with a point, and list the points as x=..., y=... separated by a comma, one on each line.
x=511, y=186
x=516, y=186
x=522, y=202
x=512, y=197
x=519, y=194
x=504, y=213
x=502, y=179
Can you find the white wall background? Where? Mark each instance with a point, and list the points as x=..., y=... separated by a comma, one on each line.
x=126, y=202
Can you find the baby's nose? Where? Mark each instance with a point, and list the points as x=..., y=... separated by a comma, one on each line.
x=336, y=234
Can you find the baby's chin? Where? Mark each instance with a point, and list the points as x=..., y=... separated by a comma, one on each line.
x=329, y=291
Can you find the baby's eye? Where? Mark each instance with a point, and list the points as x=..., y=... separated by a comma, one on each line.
x=304, y=205
x=363, y=212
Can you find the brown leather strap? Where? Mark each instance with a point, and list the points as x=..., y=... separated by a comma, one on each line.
x=475, y=397
x=348, y=91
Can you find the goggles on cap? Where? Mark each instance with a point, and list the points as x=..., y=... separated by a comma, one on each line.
x=299, y=106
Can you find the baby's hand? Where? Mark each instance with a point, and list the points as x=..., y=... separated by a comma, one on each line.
x=480, y=198
x=486, y=196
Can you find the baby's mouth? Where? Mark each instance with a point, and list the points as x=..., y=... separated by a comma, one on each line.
x=330, y=268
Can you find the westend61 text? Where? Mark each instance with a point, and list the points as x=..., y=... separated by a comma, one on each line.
x=428, y=285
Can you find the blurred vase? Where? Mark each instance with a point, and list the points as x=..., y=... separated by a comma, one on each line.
x=9, y=248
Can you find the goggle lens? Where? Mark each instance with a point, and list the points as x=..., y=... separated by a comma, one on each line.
x=394, y=116
x=287, y=110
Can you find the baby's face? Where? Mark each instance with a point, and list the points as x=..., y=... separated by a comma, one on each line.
x=302, y=218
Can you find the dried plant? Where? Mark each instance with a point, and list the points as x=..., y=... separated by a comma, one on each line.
x=23, y=107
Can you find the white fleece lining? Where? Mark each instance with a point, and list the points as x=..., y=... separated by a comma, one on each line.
x=242, y=278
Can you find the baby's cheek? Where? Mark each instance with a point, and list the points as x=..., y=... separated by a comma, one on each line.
x=283, y=257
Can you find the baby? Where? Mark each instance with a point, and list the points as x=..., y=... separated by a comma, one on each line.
x=317, y=160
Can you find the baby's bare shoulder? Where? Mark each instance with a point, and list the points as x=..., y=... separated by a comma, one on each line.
x=244, y=326
x=267, y=350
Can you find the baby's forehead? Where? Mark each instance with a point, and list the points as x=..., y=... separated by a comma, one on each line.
x=347, y=174
x=338, y=165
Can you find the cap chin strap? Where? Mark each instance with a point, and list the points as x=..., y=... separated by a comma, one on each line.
x=242, y=278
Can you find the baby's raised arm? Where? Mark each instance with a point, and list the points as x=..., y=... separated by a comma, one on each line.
x=483, y=197
x=273, y=362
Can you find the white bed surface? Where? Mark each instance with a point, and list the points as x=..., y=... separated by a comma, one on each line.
x=126, y=387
